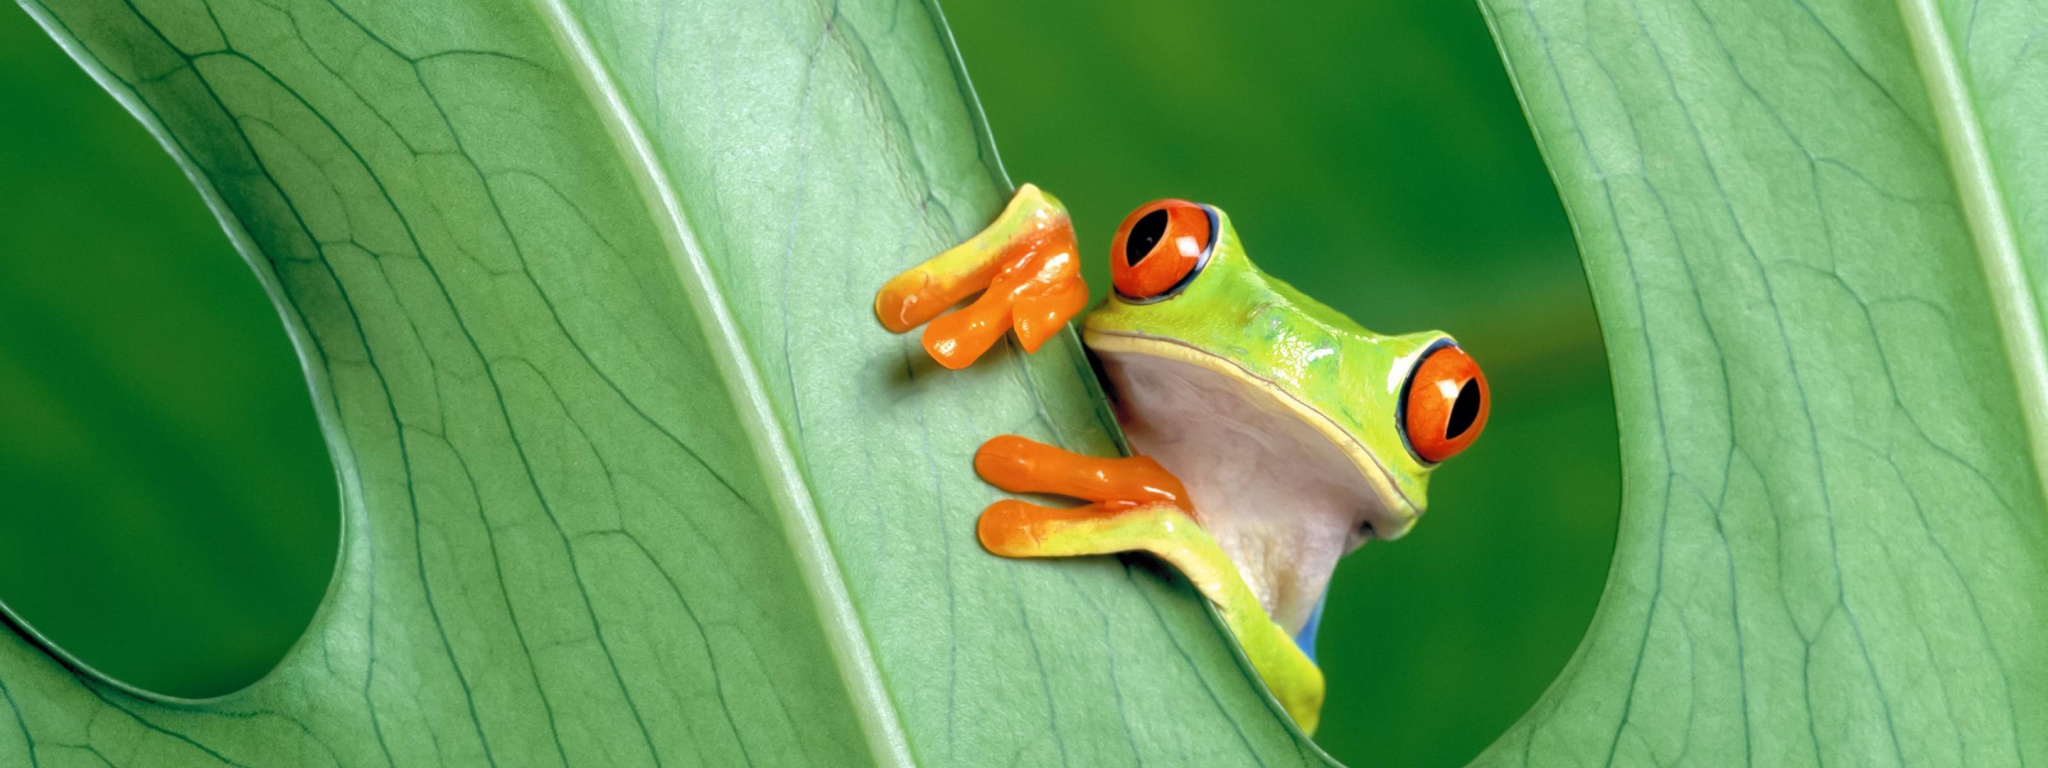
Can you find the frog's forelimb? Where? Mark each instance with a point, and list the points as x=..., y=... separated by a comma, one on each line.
x=1137, y=506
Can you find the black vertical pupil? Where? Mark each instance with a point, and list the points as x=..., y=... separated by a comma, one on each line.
x=1464, y=411
x=1144, y=236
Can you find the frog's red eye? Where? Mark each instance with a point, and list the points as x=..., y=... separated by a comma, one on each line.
x=1160, y=248
x=1444, y=406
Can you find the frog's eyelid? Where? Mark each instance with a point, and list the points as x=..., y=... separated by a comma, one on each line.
x=1408, y=383
x=1208, y=251
x=1450, y=418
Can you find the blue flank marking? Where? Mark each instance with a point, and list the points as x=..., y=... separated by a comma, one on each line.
x=1307, y=637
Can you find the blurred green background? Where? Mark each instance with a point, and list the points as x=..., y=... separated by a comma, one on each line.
x=1372, y=154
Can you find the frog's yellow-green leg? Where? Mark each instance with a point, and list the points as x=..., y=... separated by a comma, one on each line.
x=1138, y=506
x=1025, y=267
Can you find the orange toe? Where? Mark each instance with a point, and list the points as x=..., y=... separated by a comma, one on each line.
x=1022, y=465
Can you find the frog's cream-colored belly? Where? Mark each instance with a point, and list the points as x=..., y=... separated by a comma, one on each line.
x=1283, y=501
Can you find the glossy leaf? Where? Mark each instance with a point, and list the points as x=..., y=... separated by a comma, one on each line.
x=1816, y=232
x=630, y=475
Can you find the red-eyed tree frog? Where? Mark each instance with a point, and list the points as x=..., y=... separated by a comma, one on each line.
x=1272, y=434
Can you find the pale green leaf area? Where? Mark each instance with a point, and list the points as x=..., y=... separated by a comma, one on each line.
x=1808, y=226
x=629, y=474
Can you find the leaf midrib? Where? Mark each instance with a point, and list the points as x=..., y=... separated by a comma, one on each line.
x=1985, y=212
x=805, y=532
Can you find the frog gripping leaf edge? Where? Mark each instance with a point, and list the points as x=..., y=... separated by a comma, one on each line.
x=1274, y=434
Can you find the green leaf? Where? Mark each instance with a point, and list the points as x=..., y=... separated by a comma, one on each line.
x=630, y=475
x=1816, y=232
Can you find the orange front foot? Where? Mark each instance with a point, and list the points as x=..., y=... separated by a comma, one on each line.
x=1025, y=267
x=1013, y=528
x=1137, y=506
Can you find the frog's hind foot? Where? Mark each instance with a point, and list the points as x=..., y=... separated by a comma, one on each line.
x=1024, y=264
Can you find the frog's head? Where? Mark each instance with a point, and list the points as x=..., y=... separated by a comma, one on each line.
x=1299, y=433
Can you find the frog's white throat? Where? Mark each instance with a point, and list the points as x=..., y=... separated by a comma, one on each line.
x=1277, y=492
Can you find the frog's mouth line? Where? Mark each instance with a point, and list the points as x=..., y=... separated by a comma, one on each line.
x=1397, y=504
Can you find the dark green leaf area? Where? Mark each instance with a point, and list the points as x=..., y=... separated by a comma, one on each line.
x=170, y=512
